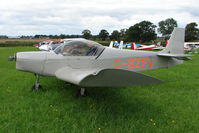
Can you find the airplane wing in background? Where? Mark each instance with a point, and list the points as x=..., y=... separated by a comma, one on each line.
x=104, y=77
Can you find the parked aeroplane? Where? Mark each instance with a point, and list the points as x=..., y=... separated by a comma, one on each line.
x=116, y=44
x=44, y=45
x=129, y=45
x=147, y=47
x=191, y=46
x=134, y=46
x=87, y=63
x=51, y=45
x=46, y=42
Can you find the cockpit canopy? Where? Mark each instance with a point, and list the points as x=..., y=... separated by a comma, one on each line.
x=79, y=48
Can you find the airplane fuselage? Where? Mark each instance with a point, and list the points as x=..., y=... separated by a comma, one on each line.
x=47, y=63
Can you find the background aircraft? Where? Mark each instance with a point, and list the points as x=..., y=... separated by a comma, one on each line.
x=134, y=46
x=46, y=42
x=147, y=47
x=191, y=46
x=51, y=45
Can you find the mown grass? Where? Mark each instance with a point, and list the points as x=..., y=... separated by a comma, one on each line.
x=170, y=107
x=16, y=43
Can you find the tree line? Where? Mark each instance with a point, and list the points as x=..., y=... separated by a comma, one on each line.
x=144, y=31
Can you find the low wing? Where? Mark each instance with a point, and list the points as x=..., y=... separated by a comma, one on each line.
x=178, y=56
x=104, y=77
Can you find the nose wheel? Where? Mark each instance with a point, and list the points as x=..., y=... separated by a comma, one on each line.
x=81, y=92
x=37, y=86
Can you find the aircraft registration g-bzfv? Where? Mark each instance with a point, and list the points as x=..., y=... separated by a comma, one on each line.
x=87, y=63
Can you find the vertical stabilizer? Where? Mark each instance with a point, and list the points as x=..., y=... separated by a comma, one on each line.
x=176, y=42
x=133, y=46
x=121, y=45
x=111, y=44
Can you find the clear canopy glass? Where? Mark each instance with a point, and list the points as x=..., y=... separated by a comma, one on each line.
x=79, y=48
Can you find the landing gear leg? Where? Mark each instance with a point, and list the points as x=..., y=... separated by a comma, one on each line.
x=81, y=92
x=37, y=86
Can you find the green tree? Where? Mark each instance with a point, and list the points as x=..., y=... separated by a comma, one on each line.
x=141, y=32
x=166, y=26
x=115, y=35
x=191, y=32
x=86, y=34
x=122, y=34
x=94, y=37
x=62, y=36
x=103, y=34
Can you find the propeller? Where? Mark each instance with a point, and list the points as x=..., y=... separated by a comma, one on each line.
x=11, y=58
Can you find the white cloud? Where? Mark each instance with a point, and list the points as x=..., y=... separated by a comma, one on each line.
x=29, y=17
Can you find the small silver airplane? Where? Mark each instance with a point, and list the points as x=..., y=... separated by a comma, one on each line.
x=87, y=63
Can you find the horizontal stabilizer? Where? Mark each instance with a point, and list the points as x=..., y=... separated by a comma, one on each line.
x=104, y=78
x=178, y=56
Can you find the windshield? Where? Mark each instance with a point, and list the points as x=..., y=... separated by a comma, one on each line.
x=79, y=48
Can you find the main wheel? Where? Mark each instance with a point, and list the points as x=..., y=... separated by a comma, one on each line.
x=36, y=88
x=81, y=92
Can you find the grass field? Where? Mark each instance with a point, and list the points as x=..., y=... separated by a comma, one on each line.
x=170, y=107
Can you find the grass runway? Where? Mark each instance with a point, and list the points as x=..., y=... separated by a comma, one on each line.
x=169, y=107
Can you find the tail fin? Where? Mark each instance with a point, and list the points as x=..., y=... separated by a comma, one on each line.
x=166, y=42
x=133, y=46
x=176, y=42
x=175, y=47
x=121, y=45
x=111, y=44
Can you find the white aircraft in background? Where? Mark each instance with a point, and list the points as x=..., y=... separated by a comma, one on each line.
x=43, y=46
x=46, y=42
x=121, y=45
x=134, y=46
x=51, y=45
x=191, y=46
x=149, y=47
x=116, y=44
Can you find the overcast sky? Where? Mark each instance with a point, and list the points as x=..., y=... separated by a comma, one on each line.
x=30, y=17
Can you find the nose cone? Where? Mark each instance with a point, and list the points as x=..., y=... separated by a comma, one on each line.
x=11, y=58
x=31, y=61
